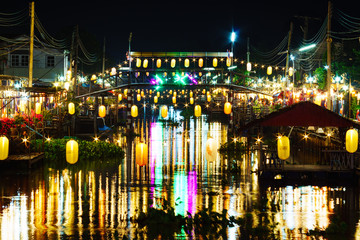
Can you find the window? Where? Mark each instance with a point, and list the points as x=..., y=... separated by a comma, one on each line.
x=50, y=61
x=18, y=60
x=24, y=60
x=15, y=60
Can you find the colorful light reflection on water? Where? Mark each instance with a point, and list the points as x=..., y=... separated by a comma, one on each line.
x=98, y=203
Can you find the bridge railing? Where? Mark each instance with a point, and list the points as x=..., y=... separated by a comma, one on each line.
x=341, y=160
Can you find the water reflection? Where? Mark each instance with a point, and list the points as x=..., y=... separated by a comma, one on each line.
x=98, y=203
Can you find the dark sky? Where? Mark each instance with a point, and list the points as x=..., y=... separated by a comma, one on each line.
x=181, y=25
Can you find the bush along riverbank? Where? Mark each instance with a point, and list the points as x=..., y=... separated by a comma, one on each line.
x=89, y=151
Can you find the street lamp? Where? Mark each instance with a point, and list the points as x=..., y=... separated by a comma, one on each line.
x=232, y=39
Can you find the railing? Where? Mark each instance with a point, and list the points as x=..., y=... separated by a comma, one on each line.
x=270, y=160
x=341, y=160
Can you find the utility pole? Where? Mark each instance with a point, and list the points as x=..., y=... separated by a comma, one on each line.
x=287, y=61
x=31, y=52
x=103, y=71
x=328, y=75
x=76, y=59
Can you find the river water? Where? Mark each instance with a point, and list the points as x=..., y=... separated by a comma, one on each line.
x=97, y=202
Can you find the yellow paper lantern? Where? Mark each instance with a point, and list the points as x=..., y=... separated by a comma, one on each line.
x=269, y=70
x=283, y=147
x=141, y=154
x=134, y=111
x=173, y=63
x=125, y=92
x=200, y=74
x=175, y=93
x=138, y=62
x=215, y=62
x=228, y=62
x=174, y=100
x=119, y=97
x=197, y=111
x=72, y=151
x=142, y=93
x=170, y=91
x=4, y=147
x=187, y=63
x=102, y=111
x=191, y=93
x=191, y=100
x=208, y=98
x=291, y=71
x=183, y=92
x=351, y=140
x=150, y=91
x=201, y=62
x=158, y=94
x=248, y=67
x=138, y=97
x=71, y=108
x=37, y=108
x=164, y=111
x=145, y=63
x=155, y=99
x=211, y=149
x=158, y=63
x=227, y=108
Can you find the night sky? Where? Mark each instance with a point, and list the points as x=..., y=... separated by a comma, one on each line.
x=182, y=25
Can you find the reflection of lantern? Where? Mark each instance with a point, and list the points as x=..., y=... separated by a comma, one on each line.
x=125, y=92
x=71, y=108
x=102, y=111
x=351, y=140
x=150, y=91
x=174, y=99
x=4, y=147
x=158, y=63
x=119, y=97
x=173, y=63
x=191, y=94
x=141, y=154
x=175, y=93
x=164, y=111
x=248, y=67
x=134, y=111
x=191, y=100
x=142, y=93
x=200, y=74
x=228, y=62
x=291, y=71
x=145, y=63
x=227, y=108
x=183, y=92
x=269, y=70
x=138, y=62
x=211, y=149
x=155, y=99
x=158, y=94
x=197, y=111
x=37, y=108
x=215, y=62
x=72, y=151
x=138, y=97
x=186, y=62
x=170, y=91
x=201, y=62
x=283, y=146
x=208, y=98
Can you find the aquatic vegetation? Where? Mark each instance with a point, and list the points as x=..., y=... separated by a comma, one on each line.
x=54, y=149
